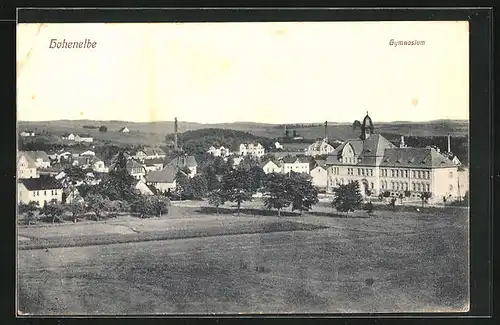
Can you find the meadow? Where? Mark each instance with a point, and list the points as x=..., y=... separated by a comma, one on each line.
x=392, y=261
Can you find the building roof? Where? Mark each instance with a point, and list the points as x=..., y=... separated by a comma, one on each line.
x=29, y=159
x=292, y=159
x=154, y=161
x=316, y=146
x=266, y=161
x=133, y=164
x=41, y=183
x=367, y=149
x=38, y=155
x=184, y=161
x=416, y=158
x=320, y=162
x=123, y=128
x=166, y=175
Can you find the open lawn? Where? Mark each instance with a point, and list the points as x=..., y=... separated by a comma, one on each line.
x=390, y=262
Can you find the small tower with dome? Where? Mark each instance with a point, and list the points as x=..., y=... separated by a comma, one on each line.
x=366, y=127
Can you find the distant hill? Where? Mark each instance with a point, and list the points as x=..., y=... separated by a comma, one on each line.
x=158, y=130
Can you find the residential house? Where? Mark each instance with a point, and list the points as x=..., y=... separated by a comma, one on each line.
x=143, y=188
x=270, y=166
x=124, y=130
x=99, y=166
x=219, y=152
x=163, y=180
x=150, y=153
x=278, y=145
x=379, y=166
x=319, y=175
x=185, y=161
x=68, y=136
x=153, y=164
x=252, y=149
x=136, y=169
x=84, y=162
x=27, y=134
x=86, y=138
x=41, y=159
x=319, y=148
x=295, y=164
x=26, y=166
x=88, y=153
x=53, y=170
x=41, y=190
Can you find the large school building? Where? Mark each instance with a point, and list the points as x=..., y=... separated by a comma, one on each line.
x=379, y=166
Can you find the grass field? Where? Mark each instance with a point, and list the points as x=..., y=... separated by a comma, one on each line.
x=391, y=262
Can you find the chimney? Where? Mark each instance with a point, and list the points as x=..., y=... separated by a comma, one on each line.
x=449, y=143
x=175, y=134
x=402, y=143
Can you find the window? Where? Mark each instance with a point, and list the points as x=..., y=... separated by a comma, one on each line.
x=406, y=173
x=450, y=187
x=413, y=174
x=392, y=173
x=362, y=172
x=371, y=185
x=397, y=172
x=428, y=187
x=451, y=174
x=359, y=172
x=414, y=187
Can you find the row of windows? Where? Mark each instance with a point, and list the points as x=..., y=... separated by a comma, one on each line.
x=37, y=193
x=337, y=182
x=403, y=186
x=349, y=160
x=423, y=174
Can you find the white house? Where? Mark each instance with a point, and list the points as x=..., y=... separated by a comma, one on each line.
x=69, y=137
x=149, y=153
x=319, y=176
x=271, y=167
x=87, y=139
x=219, y=152
x=163, y=180
x=41, y=190
x=26, y=166
x=27, y=134
x=153, y=164
x=143, y=188
x=124, y=130
x=278, y=145
x=295, y=164
x=136, y=169
x=252, y=149
x=99, y=166
x=319, y=148
x=88, y=153
x=41, y=158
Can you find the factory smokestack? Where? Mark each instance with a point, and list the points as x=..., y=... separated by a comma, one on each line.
x=326, y=131
x=449, y=143
x=175, y=134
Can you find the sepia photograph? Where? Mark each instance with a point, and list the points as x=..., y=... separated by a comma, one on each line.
x=232, y=168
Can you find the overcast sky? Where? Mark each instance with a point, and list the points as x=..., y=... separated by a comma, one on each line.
x=257, y=72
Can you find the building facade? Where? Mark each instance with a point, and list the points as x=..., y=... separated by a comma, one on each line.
x=380, y=166
x=319, y=148
x=26, y=166
x=252, y=149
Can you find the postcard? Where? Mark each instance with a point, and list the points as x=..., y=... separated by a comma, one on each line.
x=242, y=168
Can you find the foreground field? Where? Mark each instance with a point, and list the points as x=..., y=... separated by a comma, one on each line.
x=387, y=263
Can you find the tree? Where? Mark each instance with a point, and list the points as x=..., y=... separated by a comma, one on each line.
x=257, y=175
x=29, y=211
x=112, y=207
x=73, y=175
x=158, y=205
x=216, y=198
x=53, y=210
x=118, y=185
x=103, y=128
x=96, y=203
x=182, y=183
x=369, y=208
x=347, y=197
x=237, y=187
x=211, y=177
x=425, y=196
x=76, y=209
x=386, y=194
x=277, y=192
x=199, y=186
x=407, y=194
x=303, y=194
x=401, y=197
